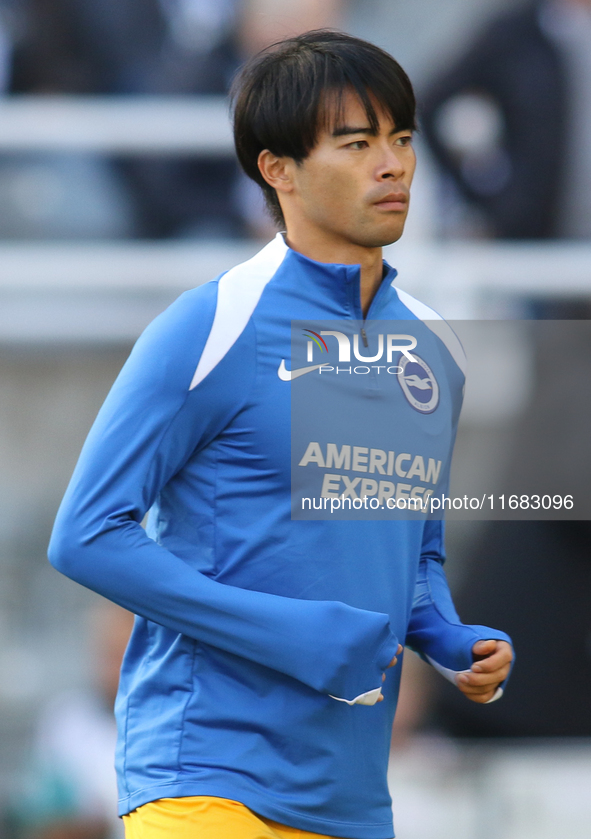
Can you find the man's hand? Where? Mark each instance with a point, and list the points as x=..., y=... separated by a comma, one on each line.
x=392, y=663
x=491, y=667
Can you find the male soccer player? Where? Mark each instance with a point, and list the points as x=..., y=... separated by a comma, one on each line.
x=254, y=700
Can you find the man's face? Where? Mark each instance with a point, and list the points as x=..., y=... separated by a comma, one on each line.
x=355, y=186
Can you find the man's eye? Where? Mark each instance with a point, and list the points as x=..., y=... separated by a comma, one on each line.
x=406, y=140
x=357, y=144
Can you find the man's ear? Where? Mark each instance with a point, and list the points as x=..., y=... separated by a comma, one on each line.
x=276, y=171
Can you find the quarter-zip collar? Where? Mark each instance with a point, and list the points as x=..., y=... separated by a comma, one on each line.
x=343, y=281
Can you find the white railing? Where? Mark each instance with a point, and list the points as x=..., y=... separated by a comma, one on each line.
x=99, y=292
x=485, y=279
x=116, y=124
x=109, y=291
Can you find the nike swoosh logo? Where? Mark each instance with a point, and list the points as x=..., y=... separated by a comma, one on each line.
x=288, y=375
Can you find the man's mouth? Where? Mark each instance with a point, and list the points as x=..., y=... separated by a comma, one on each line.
x=394, y=201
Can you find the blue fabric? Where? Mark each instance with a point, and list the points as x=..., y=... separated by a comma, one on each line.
x=435, y=629
x=247, y=620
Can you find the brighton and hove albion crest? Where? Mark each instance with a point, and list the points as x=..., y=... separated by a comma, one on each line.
x=418, y=384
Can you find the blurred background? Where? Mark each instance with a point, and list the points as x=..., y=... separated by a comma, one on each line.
x=119, y=190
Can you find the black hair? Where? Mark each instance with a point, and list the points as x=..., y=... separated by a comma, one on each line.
x=279, y=96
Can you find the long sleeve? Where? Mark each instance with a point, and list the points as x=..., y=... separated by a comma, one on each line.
x=435, y=630
x=151, y=424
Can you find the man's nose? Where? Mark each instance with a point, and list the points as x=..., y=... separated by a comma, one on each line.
x=391, y=164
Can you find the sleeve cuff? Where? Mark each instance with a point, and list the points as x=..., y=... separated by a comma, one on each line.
x=370, y=697
x=498, y=694
x=451, y=675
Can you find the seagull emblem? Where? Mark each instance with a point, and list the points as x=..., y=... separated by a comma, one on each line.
x=416, y=381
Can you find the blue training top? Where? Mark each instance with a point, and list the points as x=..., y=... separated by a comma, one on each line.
x=251, y=625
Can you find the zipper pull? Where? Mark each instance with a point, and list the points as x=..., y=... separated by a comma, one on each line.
x=364, y=337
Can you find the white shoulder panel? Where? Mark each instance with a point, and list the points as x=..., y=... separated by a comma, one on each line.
x=437, y=325
x=239, y=291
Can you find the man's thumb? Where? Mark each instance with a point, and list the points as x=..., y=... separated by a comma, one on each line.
x=483, y=647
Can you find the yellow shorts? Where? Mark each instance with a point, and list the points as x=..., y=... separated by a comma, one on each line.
x=205, y=817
